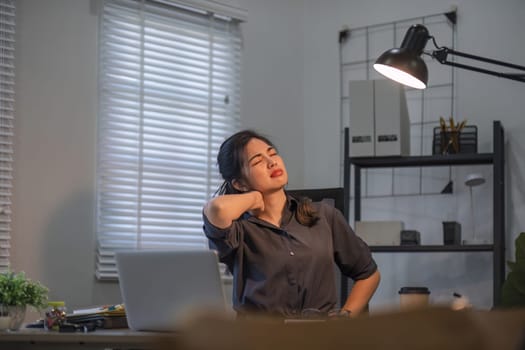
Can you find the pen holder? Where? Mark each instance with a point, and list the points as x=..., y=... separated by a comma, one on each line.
x=452, y=142
x=451, y=233
x=449, y=142
x=55, y=315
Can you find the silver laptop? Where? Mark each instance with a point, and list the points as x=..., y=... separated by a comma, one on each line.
x=160, y=288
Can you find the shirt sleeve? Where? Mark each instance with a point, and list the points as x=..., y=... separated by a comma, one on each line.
x=224, y=240
x=351, y=253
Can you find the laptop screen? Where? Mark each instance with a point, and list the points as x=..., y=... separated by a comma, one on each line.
x=160, y=288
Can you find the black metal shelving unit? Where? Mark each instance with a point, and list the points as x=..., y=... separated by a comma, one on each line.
x=496, y=158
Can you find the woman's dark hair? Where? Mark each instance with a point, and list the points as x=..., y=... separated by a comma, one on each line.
x=230, y=162
x=306, y=213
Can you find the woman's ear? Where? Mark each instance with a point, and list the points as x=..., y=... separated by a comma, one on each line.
x=239, y=186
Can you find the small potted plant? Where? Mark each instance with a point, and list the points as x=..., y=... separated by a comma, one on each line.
x=513, y=290
x=16, y=293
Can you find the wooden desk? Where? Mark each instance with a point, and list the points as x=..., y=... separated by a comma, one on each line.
x=99, y=339
x=429, y=329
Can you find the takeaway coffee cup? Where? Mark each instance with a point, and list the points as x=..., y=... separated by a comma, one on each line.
x=413, y=297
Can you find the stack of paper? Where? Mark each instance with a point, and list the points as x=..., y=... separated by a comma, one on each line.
x=107, y=316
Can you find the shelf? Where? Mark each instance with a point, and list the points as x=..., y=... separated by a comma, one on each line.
x=417, y=161
x=496, y=159
x=433, y=248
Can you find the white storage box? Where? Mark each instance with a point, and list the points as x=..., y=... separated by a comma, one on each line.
x=362, y=118
x=392, y=121
x=379, y=121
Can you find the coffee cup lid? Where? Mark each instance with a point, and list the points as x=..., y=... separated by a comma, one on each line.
x=414, y=290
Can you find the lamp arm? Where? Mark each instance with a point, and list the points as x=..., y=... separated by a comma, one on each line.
x=441, y=56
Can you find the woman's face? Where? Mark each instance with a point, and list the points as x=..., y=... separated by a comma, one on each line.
x=263, y=168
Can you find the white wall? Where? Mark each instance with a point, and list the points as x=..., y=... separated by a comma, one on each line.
x=290, y=92
x=55, y=134
x=272, y=82
x=55, y=144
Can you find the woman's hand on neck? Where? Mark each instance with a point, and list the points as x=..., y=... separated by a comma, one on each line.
x=274, y=203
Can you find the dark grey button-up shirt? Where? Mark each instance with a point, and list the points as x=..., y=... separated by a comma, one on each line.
x=286, y=269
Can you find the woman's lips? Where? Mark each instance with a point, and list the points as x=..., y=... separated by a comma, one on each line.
x=276, y=172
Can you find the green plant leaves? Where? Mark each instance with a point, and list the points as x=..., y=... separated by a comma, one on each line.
x=17, y=289
x=513, y=290
x=520, y=249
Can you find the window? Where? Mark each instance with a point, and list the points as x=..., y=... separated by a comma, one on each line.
x=169, y=95
x=7, y=102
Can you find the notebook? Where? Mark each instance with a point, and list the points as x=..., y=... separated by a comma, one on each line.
x=160, y=288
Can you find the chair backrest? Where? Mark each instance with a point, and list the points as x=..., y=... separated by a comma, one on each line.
x=334, y=194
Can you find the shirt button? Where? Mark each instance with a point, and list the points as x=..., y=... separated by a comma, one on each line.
x=292, y=253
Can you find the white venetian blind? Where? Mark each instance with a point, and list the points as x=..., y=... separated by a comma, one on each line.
x=169, y=95
x=7, y=102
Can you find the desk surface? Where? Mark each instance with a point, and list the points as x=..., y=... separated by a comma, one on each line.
x=102, y=338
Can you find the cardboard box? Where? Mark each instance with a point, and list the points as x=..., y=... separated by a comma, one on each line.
x=379, y=232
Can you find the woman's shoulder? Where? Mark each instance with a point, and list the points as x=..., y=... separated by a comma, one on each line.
x=325, y=208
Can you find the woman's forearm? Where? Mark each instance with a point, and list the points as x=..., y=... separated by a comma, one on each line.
x=222, y=210
x=361, y=292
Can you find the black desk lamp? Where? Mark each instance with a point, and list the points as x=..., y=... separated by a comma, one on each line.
x=405, y=65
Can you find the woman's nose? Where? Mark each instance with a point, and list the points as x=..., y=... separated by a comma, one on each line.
x=271, y=162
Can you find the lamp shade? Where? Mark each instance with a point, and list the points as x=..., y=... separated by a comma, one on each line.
x=474, y=180
x=405, y=64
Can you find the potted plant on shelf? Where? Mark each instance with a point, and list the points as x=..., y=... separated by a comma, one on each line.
x=513, y=290
x=16, y=293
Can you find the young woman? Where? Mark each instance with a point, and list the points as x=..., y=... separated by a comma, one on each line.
x=281, y=251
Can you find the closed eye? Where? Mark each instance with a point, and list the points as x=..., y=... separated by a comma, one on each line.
x=256, y=160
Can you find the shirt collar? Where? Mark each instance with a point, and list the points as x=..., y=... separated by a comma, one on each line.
x=288, y=213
